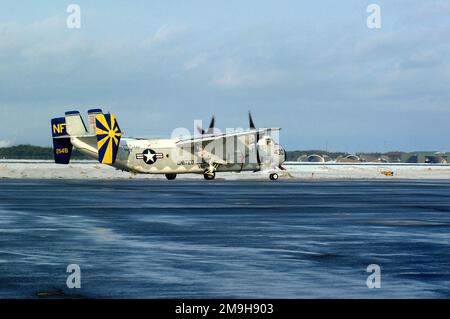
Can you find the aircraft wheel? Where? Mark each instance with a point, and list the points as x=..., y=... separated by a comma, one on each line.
x=273, y=177
x=209, y=175
x=171, y=176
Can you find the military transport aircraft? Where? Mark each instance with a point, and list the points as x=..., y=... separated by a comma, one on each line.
x=204, y=153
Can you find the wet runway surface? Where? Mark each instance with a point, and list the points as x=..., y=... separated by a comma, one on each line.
x=193, y=239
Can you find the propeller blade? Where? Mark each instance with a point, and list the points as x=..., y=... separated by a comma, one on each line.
x=253, y=127
x=210, y=129
x=250, y=120
x=211, y=126
x=200, y=130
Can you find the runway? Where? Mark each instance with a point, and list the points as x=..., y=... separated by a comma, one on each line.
x=224, y=239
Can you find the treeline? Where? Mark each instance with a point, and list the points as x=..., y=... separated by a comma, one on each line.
x=33, y=152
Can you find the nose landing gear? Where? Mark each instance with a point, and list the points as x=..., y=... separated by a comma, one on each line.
x=208, y=175
x=210, y=172
x=273, y=176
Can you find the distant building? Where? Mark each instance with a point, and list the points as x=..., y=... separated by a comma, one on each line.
x=375, y=158
x=426, y=157
x=314, y=158
x=390, y=157
x=348, y=159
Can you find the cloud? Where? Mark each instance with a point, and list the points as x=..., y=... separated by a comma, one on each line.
x=433, y=10
x=195, y=62
x=4, y=143
x=48, y=37
x=321, y=76
x=232, y=75
x=165, y=34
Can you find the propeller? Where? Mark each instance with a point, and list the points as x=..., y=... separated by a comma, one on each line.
x=210, y=129
x=250, y=120
x=253, y=127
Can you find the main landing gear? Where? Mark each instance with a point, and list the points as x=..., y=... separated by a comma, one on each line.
x=210, y=172
x=208, y=175
x=171, y=176
x=273, y=176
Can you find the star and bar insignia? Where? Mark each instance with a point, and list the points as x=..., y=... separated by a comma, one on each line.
x=149, y=156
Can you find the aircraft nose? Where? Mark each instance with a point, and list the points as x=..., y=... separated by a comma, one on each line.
x=281, y=154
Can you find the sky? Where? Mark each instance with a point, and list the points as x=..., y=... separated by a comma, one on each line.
x=313, y=68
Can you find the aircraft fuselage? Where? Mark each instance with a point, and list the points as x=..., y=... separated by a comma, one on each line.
x=160, y=156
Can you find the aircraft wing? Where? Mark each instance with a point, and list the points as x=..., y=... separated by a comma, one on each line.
x=216, y=137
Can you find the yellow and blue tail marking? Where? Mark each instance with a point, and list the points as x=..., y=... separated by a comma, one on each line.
x=108, y=137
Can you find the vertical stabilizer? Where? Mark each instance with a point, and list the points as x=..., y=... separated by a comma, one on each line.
x=108, y=137
x=91, y=120
x=62, y=147
x=74, y=124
